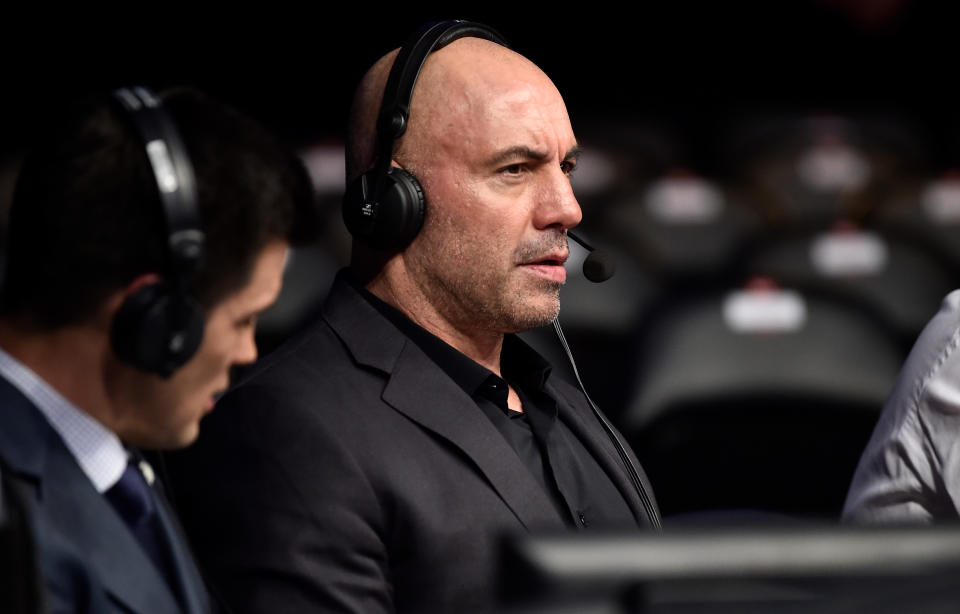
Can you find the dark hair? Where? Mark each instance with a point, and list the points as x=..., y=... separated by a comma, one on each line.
x=86, y=218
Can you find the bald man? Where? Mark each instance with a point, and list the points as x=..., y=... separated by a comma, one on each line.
x=374, y=463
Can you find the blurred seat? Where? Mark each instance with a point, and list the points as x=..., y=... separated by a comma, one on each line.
x=682, y=228
x=758, y=399
x=805, y=172
x=306, y=279
x=927, y=216
x=897, y=283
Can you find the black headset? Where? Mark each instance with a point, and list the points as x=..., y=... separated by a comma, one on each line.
x=384, y=208
x=160, y=326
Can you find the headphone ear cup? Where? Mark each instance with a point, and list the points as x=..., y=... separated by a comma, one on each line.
x=157, y=330
x=394, y=220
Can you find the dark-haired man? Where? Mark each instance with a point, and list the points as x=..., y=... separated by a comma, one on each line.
x=145, y=236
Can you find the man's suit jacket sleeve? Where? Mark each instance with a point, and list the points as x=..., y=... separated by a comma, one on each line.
x=303, y=550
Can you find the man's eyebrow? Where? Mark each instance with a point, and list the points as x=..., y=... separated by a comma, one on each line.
x=574, y=153
x=518, y=152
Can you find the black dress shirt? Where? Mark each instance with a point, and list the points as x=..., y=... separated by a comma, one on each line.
x=583, y=494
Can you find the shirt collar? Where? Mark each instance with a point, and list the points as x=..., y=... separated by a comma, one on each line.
x=520, y=363
x=96, y=449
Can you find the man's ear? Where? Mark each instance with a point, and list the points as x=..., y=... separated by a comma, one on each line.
x=117, y=298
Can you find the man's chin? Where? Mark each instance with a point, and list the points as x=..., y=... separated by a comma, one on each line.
x=186, y=436
x=173, y=439
x=534, y=316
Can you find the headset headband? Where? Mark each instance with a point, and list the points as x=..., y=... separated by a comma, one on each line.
x=174, y=176
x=385, y=207
x=395, y=108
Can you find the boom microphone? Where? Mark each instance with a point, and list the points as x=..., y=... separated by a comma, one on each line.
x=599, y=264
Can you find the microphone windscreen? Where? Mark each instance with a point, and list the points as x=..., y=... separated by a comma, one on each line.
x=599, y=266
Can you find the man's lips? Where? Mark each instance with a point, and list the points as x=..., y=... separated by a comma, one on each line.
x=551, y=259
x=549, y=266
x=215, y=397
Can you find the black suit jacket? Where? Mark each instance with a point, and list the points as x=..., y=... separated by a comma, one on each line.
x=349, y=473
x=89, y=559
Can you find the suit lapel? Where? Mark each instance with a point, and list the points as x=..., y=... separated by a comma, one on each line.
x=75, y=508
x=593, y=436
x=450, y=413
x=446, y=411
x=188, y=576
x=69, y=506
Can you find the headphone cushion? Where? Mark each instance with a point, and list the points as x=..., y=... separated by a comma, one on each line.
x=157, y=330
x=396, y=218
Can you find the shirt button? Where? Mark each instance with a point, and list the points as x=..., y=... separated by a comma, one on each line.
x=582, y=519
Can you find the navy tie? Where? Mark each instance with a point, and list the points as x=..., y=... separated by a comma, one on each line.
x=133, y=499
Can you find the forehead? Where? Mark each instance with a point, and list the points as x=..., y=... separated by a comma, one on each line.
x=486, y=96
x=524, y=104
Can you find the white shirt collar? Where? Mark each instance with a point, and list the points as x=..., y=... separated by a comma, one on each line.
x=97, y=449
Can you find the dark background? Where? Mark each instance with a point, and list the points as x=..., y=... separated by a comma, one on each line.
x=695, y=66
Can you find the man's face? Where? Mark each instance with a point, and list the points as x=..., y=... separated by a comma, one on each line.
x=495, y=172
x=165, y=413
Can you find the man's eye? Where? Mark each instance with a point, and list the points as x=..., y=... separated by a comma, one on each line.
x=568, y=167
x=513, y=169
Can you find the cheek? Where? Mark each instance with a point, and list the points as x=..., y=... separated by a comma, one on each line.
x=210, y=363
x=220, y=338
x=468, y=219
x=452, y=189
x=218, y=359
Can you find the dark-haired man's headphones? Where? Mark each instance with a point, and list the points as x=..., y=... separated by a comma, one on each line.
x=160, y=326
x=384, y=208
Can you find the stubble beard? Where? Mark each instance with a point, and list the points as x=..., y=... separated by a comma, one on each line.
x=492, y=305
x=466, y=283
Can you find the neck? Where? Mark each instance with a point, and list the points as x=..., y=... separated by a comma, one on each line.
x=443, y=321
x=70, y=359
